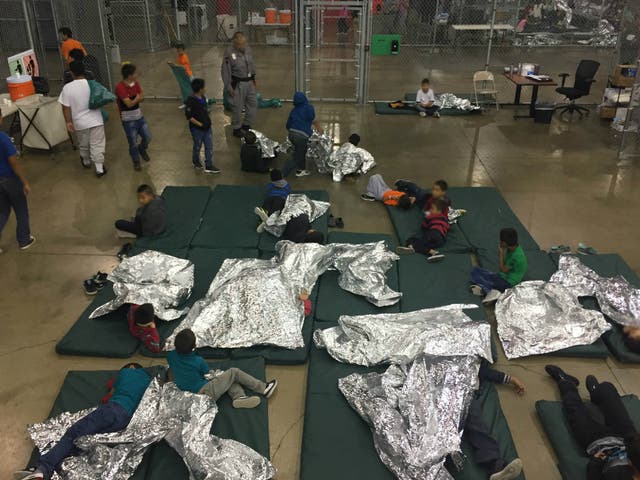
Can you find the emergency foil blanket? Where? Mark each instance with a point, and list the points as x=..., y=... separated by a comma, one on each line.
x=618, y=299
x=539, y=317
x=415, y=412
x=151, y=277
x=318, y=151
x=296, y=204
x=399, y=338
x=255, y=302
x=349, y=160
x=182, y=419
x=449, y=100
x=267, y=146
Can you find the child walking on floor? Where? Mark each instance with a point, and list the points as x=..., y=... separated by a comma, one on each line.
x=277, y=192
x=512, y=264
x=197, y=113
x=434, y=234
x=189, y=369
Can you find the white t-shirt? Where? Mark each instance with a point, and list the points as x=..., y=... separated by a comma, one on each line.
x=422, y=97
x=75, y=95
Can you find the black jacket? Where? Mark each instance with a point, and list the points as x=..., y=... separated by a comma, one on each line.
x=152, y=217
x=251, y=159
x=297, y=228
x=196, y=107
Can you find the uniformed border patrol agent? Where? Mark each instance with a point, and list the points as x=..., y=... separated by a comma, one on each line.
x=238, y=75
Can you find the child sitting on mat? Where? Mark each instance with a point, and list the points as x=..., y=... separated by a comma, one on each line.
x=377, y=189
x=188, y=370
x=512, y=264
x=251, y=159
x=277, y=192
x=425, y=101
x=142, y=325
x=434, y=233
x=112, y=416
x=424, y=198
x=150, y=217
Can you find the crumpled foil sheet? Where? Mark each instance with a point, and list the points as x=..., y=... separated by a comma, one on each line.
x=269, y=147
x=449, y=100
x=255, y=302
x=151, y=277
x=455, y=214
x=416, y=412
x=349, y=160
x=296, y=204
x=183, y=419
x=539, y=317
x=399, y=338
x=618, y=299
x=563, y=5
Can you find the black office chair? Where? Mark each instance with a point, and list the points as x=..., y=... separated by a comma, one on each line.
x=585, y=74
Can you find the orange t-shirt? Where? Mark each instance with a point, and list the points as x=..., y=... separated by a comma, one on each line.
x=184, y=61
x=390, y=197
x=68, y=45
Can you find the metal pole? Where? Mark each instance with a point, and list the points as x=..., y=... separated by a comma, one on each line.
x=493, y=22
x=101, y=14
x=147, y=21
x=434, y=25
x=27, y=23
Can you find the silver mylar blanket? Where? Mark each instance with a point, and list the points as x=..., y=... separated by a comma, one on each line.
x=540, y=317
x=295, y=205
x=415, y=412
x=267, y=145
x=151, y=277
x=255, y=302
x=349, y=160
x=449, y=100
x=618, y=299
x=318, y=152
x=399, y=338
x=183, y=419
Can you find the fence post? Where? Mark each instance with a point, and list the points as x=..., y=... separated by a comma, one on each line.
x=493, y=22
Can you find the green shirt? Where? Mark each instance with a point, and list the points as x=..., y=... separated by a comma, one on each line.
x=516, y=262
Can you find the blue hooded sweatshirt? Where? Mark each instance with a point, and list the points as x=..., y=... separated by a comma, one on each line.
x=302, y=116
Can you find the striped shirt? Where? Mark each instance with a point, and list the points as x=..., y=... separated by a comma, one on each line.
x=438, y=222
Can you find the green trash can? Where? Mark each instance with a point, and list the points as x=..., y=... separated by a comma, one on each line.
x=381, y=44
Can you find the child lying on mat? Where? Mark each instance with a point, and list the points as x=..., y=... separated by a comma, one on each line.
x=423, y=197
x=613, y=446
x=112, y=416
x=377, y=189
x=632, y=338
x=513, y=266
x=433, y=234
x=188, y=370
x=277, y=192
x=298, y=230
x=150, y=217
x=142, y=325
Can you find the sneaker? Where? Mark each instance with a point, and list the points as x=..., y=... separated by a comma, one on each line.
x=89, y=287
x=561, y=249
x=238, y=133
x=102, y=173
x=436, y=115
x=510, y=472
x=197, y=166
x=491, y=297
x=262, y=213
x=145, y=156
x=436, y=257
x=423, y=114
x=99, y=279
x=246, y=402
x=124, y=251
x=477, y=290
x=32, y=240
x=560, y=375
x=212, y=169
x=136, y=166
x=584, y=249
x=302, y=173
x=367, y=198
x=123, y=234
x=260, y=228
x=270, y=388
x=30, y=474
x=85, y=164
x=405, y=250
x=592, y=383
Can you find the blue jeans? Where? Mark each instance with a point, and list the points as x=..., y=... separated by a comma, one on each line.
x=134, y=129
x=107, y=418
x=488, y=280
x=12, y=196
x=428, y=110
x=200, y=137
x=298, y=160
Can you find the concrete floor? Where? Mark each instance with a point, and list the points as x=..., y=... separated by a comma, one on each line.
x=562, y=180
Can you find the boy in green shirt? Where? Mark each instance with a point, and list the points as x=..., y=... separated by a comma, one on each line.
x=513, y=266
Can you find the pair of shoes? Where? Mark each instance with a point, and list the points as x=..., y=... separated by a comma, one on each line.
x=262, y=213
x=212, y=169
x=123, y=234
x=29, y=474
x=435, y=257
x=335, y=222
x=31, y=241
x=302, y=173
x=91, y=287
x=584, y=249
x=367, y=198
x=491, y=297
x=85, y=164
x=476, y=290
x=405, y=250
x=145, y=156
x=423, y=114
x=136, y=166
x=246, y=402
x=124, y=251
x=561, y=249
x=560, y=375
x=239, y=133
x=436, y=115
x=197, y=166
x=510, y=472
x=102, y=173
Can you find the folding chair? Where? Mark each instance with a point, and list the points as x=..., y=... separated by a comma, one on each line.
x=485, y=84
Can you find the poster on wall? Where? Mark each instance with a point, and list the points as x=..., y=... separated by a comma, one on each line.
x=24, y=63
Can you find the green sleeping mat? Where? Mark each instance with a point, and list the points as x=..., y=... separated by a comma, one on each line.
x=487, y=213
x=614, y=339
x=185, y=206
x=406, y=224
x=84, y=389
x=383, y=108
x=228, y=220
x=332, y=429
x=207, y=262
x=540, y=266
x=572, y=460
x=268, y=242
x=333, y=301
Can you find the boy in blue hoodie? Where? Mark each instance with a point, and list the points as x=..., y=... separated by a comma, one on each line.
x=300, y=125
x=277, y=192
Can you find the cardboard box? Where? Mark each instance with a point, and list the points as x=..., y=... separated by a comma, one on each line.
x=624, y=75
x=607, y=112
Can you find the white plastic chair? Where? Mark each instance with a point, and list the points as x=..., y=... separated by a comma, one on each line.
x=484, y=84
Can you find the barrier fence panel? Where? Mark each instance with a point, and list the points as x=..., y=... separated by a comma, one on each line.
x=14, y=33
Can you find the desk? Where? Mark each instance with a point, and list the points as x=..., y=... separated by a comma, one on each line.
x=7, y=110
x=253, y=27
x=519, y=81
